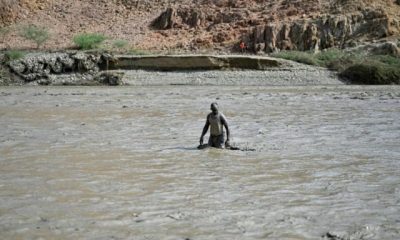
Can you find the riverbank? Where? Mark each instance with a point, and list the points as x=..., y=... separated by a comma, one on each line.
x=295, y=75
x=99, y=68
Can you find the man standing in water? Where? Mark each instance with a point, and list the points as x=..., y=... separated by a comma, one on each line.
x=216, y=121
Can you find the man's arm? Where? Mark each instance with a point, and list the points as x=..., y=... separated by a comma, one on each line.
x=225, y=123
x=205, y=129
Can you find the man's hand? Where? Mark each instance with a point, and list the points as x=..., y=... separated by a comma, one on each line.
x=201, y=140
x=227, y=143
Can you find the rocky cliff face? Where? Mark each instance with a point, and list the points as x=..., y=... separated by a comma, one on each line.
x=213, y=25
x=290, y=25
x=327, y=31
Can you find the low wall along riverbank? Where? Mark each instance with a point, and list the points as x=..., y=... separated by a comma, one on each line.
x=194, y=62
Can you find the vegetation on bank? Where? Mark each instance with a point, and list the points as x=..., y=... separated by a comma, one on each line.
x=120, y=44
x=87, y=41
x=356, y=67
x=11, y=55
x=36, y=34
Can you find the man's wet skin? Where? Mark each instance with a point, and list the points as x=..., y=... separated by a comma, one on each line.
x=216, y=121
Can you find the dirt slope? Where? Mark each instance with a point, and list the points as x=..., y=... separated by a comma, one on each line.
x=195, y=25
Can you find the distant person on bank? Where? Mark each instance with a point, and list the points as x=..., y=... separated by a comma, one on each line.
x=242, y=46
x=216, y=121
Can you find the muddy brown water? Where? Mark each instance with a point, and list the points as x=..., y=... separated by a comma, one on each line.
x=121, y=163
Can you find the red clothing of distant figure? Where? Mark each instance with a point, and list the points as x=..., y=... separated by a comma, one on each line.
x=242, y=46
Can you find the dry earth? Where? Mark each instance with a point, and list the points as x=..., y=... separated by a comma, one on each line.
x=215, y=25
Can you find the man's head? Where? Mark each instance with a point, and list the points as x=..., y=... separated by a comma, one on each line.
x=214, y=107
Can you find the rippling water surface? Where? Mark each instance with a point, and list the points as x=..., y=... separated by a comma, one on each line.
x=122, y=163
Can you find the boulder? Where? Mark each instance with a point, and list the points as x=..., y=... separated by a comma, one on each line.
x=17, y=67
x=387, y=48
x=109, y=78
x=165, y=20
x=195, y=18
x=57, y=67
x=67, y=62
x=176, y=18
x=86, y=62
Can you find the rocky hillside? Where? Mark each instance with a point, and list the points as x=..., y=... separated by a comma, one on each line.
x=207, y=25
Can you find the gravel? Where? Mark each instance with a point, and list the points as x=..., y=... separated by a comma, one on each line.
x=297, y=75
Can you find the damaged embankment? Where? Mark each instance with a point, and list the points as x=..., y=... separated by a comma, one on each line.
x=88, y=68
x=194, y=62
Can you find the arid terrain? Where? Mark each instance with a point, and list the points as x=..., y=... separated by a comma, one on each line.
x=319, y=160
x=206, y=25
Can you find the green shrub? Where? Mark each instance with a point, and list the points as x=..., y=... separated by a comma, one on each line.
x=297, y=56
x=343, y=61
x=120, y=44
x=387, y=59
x=372, y=73
x=88, y=41
x=35, y=34
x=324, y=58
x=14, y=55
x=357, y=67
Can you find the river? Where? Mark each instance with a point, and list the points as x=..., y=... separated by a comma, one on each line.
x=122, y=163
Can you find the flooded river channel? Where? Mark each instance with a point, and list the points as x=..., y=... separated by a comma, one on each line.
x=122, y=163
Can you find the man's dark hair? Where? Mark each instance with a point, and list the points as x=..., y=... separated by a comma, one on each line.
x=214, y=103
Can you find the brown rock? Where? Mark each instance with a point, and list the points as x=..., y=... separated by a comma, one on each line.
x=326, y=32
x=172, y=18
x=165, y=20
x=196, y=18
x=387, y=48
x=270, y=38
x=259, y=38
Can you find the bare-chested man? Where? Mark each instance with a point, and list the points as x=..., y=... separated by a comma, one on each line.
x=216, y=121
